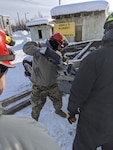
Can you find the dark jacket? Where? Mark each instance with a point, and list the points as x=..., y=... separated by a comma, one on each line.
x=92, y=92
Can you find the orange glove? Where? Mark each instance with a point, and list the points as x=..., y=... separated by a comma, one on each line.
x=71, y=118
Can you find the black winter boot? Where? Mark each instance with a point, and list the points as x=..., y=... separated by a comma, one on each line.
x=61, y=113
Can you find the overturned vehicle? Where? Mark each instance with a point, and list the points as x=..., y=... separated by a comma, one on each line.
x=74, y=53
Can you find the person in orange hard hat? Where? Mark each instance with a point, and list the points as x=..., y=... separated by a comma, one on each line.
x=6, y=54
x=44, y=73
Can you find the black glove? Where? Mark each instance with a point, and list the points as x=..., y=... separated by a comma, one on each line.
x=71, y=118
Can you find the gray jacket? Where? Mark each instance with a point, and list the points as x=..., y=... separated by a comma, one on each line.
x=20, y=133
x=43, y=71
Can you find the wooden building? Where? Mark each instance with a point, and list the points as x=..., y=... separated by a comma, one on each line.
x=81, y=21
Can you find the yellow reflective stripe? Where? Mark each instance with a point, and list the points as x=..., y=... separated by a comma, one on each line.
x=8, y=39
x=110, y=19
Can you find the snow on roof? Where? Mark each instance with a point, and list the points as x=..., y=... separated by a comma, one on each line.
x=79, y=7
x=38, y=21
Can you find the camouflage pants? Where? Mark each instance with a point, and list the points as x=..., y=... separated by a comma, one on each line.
x=39, y=95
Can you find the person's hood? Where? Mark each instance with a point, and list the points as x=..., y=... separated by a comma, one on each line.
x=108, y=37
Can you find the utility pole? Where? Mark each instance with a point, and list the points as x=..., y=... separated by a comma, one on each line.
x=59, y=2
x=26, y=16
x=18, y=19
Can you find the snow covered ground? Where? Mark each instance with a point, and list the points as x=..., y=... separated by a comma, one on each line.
x=16, y=82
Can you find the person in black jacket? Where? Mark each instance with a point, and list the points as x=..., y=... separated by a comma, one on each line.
x=92, y=95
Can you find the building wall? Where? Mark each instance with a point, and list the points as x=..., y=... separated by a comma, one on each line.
x=5, y=24
x=88, y=25
x=93, y=26
x=41, y=32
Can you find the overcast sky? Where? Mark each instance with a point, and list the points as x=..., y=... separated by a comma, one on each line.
x=31, y=8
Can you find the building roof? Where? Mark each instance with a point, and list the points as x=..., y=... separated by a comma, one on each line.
x=79, y=8
x=39, y=21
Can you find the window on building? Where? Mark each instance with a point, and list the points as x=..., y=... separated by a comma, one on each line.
x=40, y=34
x=7, y=22
x=78, y=34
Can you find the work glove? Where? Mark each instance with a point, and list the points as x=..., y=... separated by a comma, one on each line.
x=71, y=118
x=9, y=41
x=65, y=58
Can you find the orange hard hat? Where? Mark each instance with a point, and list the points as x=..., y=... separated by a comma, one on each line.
x=58, y=37
x=5, y=54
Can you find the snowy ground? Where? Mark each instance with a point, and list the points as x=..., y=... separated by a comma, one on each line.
x=16, y=82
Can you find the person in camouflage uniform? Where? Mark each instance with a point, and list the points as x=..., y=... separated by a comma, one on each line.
x=38, y=98
x=44, y=74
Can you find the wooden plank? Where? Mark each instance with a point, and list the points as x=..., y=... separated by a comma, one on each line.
x=14, y=98
x=18, y=107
